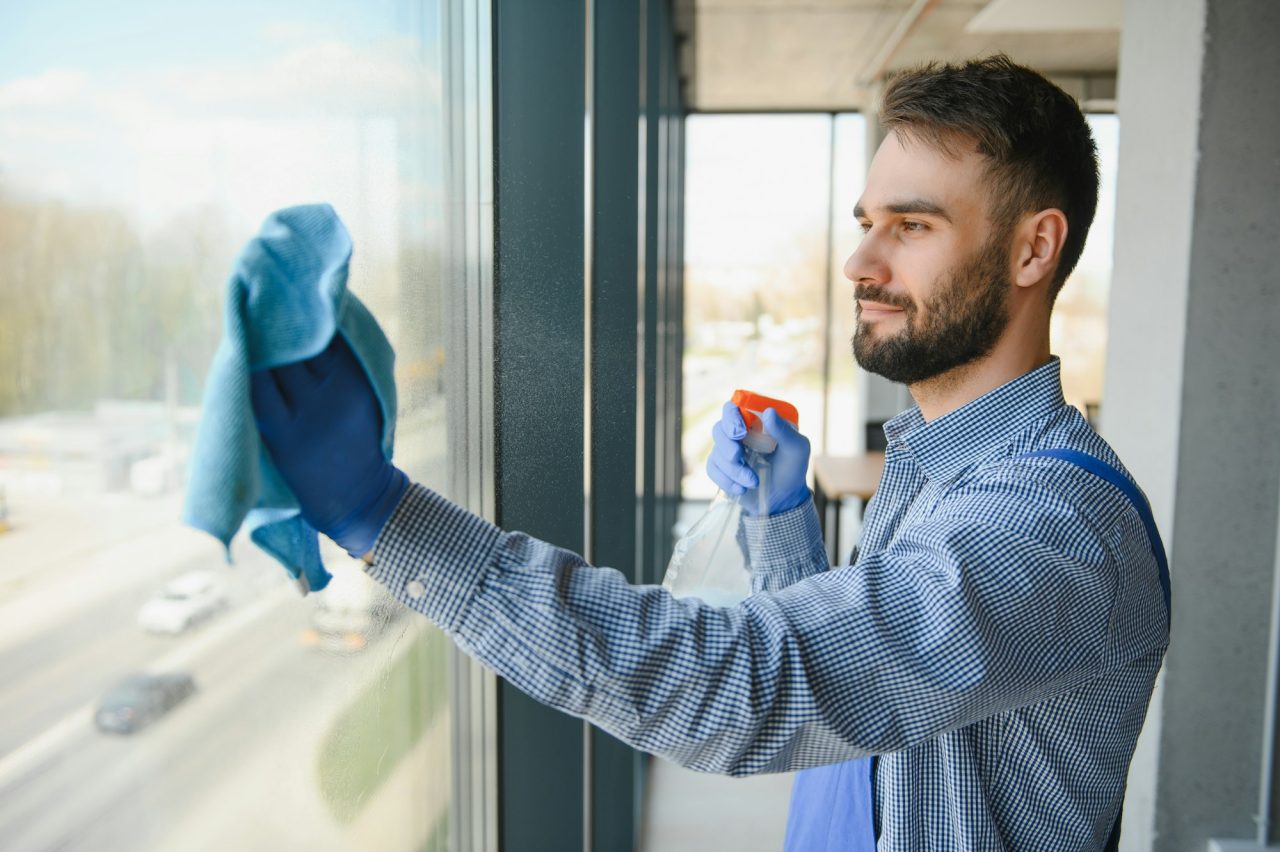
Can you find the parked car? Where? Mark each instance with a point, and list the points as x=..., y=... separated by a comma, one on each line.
x=186, y=600
x=140, y=699
x=351, y=611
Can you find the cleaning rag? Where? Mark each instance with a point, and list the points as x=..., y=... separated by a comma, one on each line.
x=286, y=299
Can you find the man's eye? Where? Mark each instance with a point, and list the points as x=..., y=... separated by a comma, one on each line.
x=864, y=226
x=914, y=226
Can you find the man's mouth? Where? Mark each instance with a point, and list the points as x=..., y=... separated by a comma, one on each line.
x=876, y=310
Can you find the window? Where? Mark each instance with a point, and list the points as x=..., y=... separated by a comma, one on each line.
x=1078, y=326
x=759, y=245
x=768, y=226
x=153, y=696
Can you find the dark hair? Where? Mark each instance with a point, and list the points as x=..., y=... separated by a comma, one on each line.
x=1040, y=150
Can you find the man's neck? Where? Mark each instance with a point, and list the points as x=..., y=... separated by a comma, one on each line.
x=943, y=394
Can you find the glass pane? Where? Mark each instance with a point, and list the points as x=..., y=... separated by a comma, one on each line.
x=153, y=696
x=845, y=435
x=1078, y=326
x=756, y=270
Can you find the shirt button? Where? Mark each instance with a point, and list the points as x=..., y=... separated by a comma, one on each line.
x=415, y=589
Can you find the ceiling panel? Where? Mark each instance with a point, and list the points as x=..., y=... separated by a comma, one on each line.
x=1011, y=16
x=941, y=35
x=797, y=6
x=819, y=54
x=781, y=59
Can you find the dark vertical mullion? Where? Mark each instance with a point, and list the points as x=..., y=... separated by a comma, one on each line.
x=615, y=217
x=650, y=553
x=539, y=365
x=641, y=292
x=677, y=266
x=589, y=733
x=662, y=238
x=662, y=414
x=675, y=358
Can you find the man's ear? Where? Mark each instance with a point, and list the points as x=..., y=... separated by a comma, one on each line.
x=1038, y=247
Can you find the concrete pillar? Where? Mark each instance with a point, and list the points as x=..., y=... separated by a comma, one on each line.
x=1192, y=397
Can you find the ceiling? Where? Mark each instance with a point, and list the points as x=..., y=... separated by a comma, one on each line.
x=763, y=55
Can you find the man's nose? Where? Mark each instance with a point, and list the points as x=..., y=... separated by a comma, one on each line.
x=867, y=262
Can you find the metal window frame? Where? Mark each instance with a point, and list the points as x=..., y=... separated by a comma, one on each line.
x=614, y=774
x=467, y=47
x=524, y=90
x=539, y=73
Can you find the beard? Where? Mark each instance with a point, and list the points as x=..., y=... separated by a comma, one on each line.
x=961, y=322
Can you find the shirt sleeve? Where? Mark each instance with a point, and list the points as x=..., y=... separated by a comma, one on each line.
x=957, y=620
x=784, y=549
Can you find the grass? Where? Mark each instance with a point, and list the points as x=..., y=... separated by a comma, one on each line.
x=438, y=839
x=382, y=724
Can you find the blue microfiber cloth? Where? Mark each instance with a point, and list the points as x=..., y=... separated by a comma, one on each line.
x=286, y=298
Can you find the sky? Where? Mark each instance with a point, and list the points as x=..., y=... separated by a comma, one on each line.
x=110, y=38
x=244, y=106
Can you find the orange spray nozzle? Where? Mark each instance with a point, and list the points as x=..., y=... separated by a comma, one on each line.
x=752, y=405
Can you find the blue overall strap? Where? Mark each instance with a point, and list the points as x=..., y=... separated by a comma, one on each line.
x=1098, y=467
x=1101, y=469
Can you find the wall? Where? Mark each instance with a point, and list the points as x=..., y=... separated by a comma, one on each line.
x=1192, y=393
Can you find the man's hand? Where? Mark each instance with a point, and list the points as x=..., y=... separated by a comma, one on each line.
x=789, y=464
x=321, y=423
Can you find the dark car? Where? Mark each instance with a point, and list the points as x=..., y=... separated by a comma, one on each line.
x=140, y=699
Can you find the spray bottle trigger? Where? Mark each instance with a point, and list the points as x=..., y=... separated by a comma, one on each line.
x=758, y=439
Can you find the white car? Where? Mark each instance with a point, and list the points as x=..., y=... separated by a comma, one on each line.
x=351, y=611
x=185, y=600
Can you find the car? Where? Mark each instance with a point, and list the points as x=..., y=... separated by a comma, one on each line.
x=140, y=699
x=350, y=613
x=186, y=600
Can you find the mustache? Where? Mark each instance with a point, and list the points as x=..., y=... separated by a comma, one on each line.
x=872, y=293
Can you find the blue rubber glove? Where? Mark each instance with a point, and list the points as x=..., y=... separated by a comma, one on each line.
x=321, y=423
x=729, y=467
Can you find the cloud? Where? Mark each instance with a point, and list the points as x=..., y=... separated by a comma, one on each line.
x=241, y=133
x=292, y=32
x=386, y=77
x=53, y=88
x=325, y=77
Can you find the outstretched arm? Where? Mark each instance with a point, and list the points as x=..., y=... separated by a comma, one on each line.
x=952, y=624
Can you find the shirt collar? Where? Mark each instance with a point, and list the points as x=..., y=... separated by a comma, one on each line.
x=951, y=443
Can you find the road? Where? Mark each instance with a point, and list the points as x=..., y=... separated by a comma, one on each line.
x=233, y=764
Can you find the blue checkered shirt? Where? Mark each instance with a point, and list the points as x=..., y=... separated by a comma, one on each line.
x=996, y=641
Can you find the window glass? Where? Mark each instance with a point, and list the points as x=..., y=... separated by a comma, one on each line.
x=151, y=695
x=759, y=258
x=1078, y=326
x=844, y=434
x=755, y=241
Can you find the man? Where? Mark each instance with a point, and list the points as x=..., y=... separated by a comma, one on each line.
x=996, y=642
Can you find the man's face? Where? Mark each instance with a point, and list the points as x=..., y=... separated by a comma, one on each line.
x=931, y=276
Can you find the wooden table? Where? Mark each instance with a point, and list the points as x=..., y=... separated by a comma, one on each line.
x=838, y=477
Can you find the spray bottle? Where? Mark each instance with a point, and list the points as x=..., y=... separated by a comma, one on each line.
x=710, y=561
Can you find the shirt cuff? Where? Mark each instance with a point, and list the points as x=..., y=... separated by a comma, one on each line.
x=786, y=543
x=432, y=554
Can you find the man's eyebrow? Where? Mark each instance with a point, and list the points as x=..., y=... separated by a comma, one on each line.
x=919, y=206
